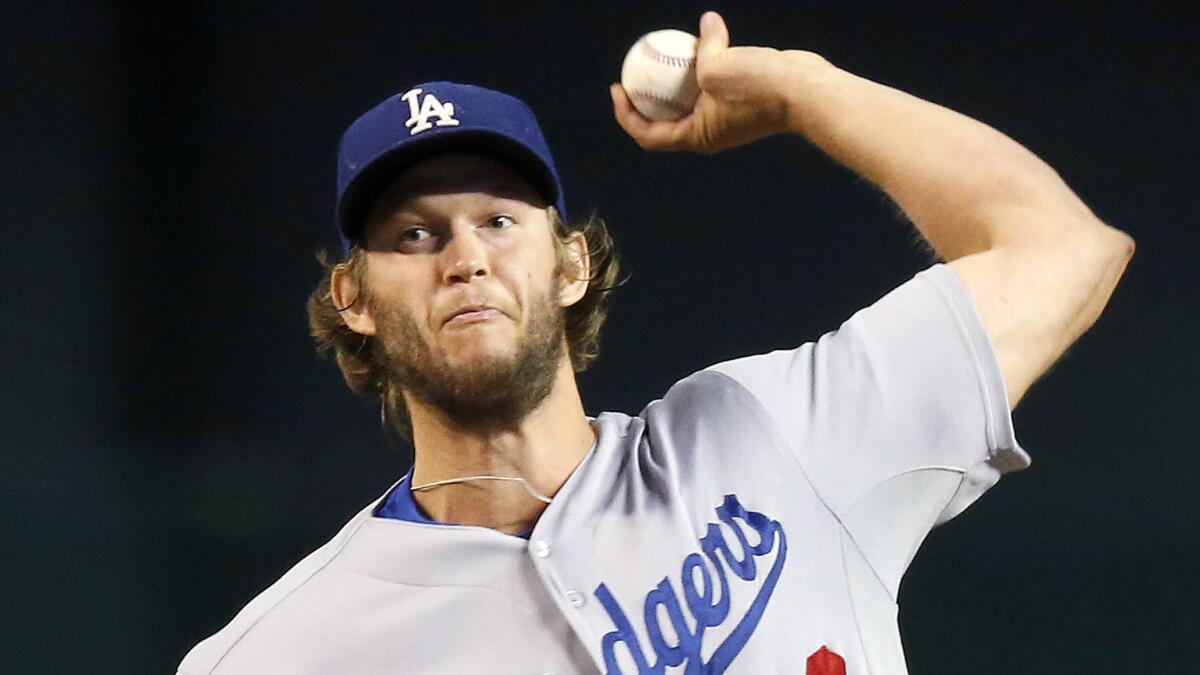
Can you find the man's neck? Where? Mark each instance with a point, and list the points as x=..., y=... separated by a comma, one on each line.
x=544, y=448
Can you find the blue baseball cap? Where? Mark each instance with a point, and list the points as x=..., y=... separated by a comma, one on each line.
x=432, y=119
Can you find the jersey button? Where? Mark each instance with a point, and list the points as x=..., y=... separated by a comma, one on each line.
x=541, y=548
x=575, y=598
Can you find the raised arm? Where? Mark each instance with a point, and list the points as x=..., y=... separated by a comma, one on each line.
x=1036, y=261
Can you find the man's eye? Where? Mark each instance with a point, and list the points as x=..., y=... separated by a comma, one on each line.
x=500, y=222
x=413, y=235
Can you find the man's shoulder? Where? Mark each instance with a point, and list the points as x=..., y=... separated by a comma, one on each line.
x=208, y=654
x=720, y=386
x=701, y=413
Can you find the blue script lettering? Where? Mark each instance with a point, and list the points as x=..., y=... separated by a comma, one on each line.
x=705, y=595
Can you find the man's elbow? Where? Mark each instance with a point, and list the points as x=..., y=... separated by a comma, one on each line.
x=1087, y=242
x=1118, y=247
x=1128, y=246
x=1100, y=260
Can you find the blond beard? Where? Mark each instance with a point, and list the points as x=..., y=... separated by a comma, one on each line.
x=494, y=392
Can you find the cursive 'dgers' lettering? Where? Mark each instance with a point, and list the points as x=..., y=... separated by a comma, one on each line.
x=708, y=605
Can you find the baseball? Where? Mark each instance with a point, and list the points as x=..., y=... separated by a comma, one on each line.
x=659, y=74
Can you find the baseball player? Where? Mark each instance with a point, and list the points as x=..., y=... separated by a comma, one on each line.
x=755, y=519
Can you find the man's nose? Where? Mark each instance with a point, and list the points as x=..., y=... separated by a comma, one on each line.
x=464, y=256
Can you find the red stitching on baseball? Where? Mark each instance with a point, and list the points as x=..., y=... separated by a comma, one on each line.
x=677, y=61
x=658, y=98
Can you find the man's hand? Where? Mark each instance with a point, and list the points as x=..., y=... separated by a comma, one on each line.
x=742, y=97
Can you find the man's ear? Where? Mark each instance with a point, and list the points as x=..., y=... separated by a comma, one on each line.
x=346, y=294
x=576, y=271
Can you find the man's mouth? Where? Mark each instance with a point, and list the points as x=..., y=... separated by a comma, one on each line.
x=473, y=314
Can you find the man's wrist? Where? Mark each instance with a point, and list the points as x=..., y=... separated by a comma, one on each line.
x=805, y=78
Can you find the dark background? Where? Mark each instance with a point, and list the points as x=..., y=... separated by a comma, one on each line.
x=171, y=443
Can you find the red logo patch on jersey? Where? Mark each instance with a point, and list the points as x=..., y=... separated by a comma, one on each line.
x=825, y=662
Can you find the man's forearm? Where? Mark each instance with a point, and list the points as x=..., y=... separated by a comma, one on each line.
x=967, y=187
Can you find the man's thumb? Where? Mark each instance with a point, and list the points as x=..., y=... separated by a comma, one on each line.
x=714, y=36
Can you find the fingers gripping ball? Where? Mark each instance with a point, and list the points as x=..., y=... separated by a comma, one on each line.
x=659, y=74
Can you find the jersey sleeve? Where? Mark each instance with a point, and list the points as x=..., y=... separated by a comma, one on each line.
x=899, y=418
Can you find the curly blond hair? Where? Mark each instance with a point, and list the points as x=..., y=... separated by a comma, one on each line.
x=362, y=359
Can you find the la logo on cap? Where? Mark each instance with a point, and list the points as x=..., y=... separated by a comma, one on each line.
x=429, y=107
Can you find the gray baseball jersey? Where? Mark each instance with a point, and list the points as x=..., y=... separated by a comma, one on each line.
x=756, y=519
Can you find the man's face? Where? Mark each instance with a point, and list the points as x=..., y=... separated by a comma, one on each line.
x=464, y=290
